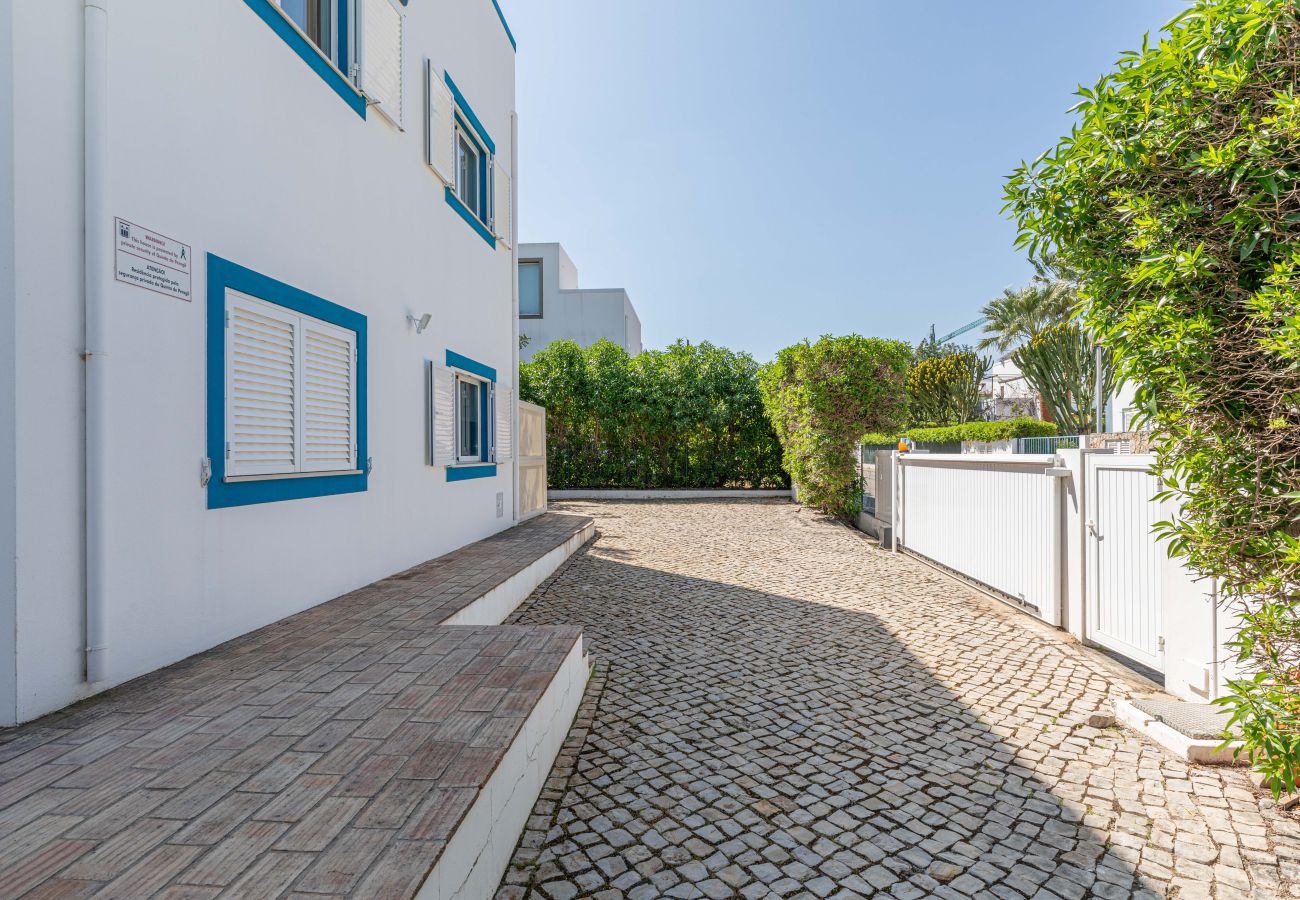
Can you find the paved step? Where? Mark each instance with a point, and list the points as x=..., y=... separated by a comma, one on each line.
x=368, y=746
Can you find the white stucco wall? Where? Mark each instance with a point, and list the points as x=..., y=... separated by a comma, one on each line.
x=584, y=315
x=8, y=608
x=252, y=157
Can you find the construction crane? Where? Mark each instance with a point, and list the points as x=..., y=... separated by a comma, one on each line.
x=960, y=331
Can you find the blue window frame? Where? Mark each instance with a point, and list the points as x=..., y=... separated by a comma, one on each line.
x=486, y=416
x=225, y=277
x=471, y=193
x=300, y=23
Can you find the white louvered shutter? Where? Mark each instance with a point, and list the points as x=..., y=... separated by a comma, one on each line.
x=261, y=388
x=439, y=125
x=501, y=203
x=442, y=411
x=381, y=56
x=329, y=426
x=505, y=443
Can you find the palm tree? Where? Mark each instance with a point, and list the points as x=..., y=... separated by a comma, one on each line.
x=1020, y=314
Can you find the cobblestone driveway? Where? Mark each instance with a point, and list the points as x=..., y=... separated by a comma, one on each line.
x=782, y=710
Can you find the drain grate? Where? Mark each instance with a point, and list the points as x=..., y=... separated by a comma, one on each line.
x=1198, y=721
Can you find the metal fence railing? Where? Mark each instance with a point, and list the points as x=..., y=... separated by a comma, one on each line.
x=1048, y=444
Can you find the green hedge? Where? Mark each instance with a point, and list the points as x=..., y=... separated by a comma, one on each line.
x=821, y=396
x=686, y=417
x=971, y=431
x=1176, y=196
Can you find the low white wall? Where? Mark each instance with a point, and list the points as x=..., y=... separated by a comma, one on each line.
x=665, y=494
x=494, y=606
x=476, y=856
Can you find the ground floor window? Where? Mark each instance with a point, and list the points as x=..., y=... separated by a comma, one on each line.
x=469, y=419
x=286, y=391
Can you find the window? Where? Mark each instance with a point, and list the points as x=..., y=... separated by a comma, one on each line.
x=530, y=289
x=462, y=154
x=469, y=422
x=290, y=392
x=286, y=391
x=469, y=175
x=315, y=19
x=355, y=46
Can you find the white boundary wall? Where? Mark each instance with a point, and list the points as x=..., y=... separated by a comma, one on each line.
x=1019, y=526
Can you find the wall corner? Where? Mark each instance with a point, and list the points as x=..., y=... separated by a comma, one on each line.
x=8, y=385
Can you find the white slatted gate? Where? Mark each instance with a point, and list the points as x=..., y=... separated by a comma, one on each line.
x=1124, y=557
x=532, y=460
x=995, y=519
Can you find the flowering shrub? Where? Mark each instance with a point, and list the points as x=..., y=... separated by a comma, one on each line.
x=945, y=390
x=1176, y=198
x=822, y=397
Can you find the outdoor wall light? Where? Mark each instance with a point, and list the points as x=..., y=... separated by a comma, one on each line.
x=420, y=323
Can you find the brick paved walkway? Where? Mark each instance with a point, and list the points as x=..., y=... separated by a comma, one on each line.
x=782, y=710
x=331, y=753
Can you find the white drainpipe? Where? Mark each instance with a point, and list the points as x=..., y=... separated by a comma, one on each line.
x=98, y=229
x=514, y=311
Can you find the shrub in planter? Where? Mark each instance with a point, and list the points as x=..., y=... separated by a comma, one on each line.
x=972, y=431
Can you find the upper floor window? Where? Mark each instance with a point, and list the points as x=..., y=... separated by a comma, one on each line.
x=469, y=175
x=463, y=155
x=355, y=46
x=315, y=19
x=530, y=289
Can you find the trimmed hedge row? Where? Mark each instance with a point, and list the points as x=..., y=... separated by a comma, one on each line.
x=689, y=416
x=971, y=431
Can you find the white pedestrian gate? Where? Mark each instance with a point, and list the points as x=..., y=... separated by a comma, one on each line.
x=532, y=460
x=1124, y=557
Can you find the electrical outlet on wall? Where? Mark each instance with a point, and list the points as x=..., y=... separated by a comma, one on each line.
x=501, y=504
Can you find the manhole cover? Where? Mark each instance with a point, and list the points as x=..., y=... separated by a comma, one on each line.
x=1198, y=721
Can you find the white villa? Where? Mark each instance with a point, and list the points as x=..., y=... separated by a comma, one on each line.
x=258, y=311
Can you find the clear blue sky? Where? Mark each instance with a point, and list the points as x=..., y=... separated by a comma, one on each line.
x=759, y=171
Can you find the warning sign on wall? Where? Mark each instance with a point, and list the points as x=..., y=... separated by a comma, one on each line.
x=152, y=261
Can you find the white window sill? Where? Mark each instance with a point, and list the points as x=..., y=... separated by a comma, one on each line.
x=235, y=479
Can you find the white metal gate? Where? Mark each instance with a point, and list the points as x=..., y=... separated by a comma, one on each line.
x=994, y=518
x=532, y=460
x=1123, y=557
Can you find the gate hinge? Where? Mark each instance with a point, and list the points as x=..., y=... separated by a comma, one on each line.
x=1161, y=644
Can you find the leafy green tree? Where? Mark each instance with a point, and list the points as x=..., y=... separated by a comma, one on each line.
x=1020, y=314
x=689, y=416
x=1176, y=197
x=945, y=390
x=822, y=397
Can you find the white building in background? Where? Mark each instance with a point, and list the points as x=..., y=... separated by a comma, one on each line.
x=1007, y=393
x=257, y=318
x=552, y=307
